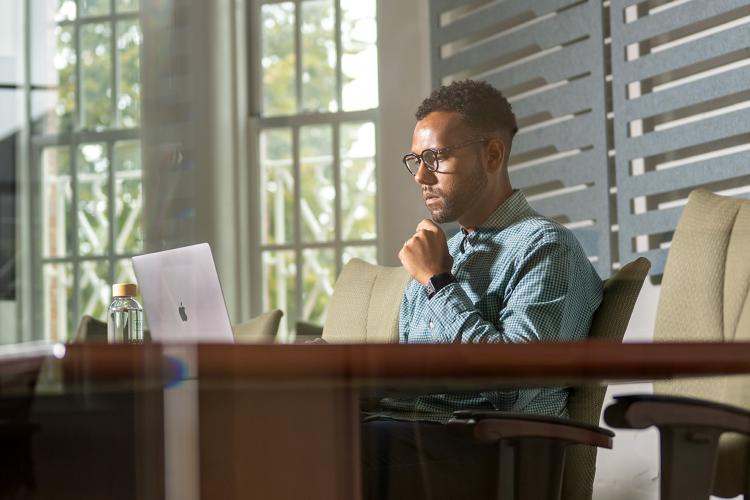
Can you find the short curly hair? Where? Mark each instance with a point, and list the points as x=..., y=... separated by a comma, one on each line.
x=483, y=106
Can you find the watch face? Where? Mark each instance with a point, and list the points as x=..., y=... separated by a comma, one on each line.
x=430, y=288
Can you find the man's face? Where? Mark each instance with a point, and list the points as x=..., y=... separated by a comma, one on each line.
x=461, y=179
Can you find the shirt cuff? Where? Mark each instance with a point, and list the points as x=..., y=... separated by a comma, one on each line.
x=447, y=304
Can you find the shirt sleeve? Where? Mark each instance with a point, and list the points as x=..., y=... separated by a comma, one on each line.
x=534, y=306
x=535, y=309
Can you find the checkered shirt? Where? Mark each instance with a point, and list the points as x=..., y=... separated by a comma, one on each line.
x=521, y=277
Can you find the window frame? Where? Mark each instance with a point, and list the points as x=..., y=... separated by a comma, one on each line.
x=72, y=139
x=259, y=123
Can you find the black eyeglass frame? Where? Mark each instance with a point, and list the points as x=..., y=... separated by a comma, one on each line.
x=437, y=152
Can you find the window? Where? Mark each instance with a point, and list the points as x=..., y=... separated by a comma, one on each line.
x=318, y=94
x=84, y=119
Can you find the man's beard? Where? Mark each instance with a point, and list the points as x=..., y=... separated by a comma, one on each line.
x=454, y=207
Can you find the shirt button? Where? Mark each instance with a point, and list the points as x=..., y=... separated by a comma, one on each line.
x=432, y=325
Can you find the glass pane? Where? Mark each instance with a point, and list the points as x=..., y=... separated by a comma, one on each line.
x=316, y=181
x=358, y=181
x=129, y=85
x=93, y=189
x=318, y=276
x=66, y=10
x=318, y=56
x=128, y=197
x=59, y=317
x=277, y=186
x=52, y=111
x=366, y=253
x=94, y=7
x=127, y=5
x=96, y=76
x=58, y=218
x=278, y=61
x=96, y=290
x=359, y=58
x=279, y=272
x=124, y=274
x=11, y=124
x=12, y=56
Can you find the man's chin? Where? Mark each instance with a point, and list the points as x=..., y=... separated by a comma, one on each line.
x=441, y=217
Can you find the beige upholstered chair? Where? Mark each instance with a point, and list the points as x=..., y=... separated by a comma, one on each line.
x=365, y=308
x=585, y=403
x=262, y=328
x=704, y=297
x=365, y=304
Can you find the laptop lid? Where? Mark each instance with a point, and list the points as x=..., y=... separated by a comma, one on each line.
x=182, y=296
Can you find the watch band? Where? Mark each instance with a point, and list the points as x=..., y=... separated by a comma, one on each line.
x=438, y=282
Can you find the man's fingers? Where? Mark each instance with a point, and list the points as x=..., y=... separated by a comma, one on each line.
x=428, y=225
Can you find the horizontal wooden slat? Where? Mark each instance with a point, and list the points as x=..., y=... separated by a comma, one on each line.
x=573, y=134
x=672, y=19
x=689, y=94
x=559, y=30
x=561, y=101
x=573, y=170
x=547, y=67
x=693, y=174
x=489, y=16
x=684, y=55
x=676, y=138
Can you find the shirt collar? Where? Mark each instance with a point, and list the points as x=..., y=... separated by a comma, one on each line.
x=508, y=213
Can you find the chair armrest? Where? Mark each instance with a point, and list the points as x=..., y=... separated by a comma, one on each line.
x=641, y=411
x=492, y=426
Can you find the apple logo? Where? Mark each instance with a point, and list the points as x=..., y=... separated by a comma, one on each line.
x=183, y=314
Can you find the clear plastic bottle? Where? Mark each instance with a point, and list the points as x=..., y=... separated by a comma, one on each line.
x=124, y=316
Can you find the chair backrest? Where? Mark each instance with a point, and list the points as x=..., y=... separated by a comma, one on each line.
x=91, y=329
x=585, y=403
x=262, y=328
x=365, y=304
x=705, y=296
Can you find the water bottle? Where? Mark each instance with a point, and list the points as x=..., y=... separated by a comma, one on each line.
x=124, y=316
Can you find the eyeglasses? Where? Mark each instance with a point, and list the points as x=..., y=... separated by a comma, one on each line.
x=429, y=157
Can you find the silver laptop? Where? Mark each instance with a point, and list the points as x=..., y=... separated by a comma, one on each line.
x=182, y=297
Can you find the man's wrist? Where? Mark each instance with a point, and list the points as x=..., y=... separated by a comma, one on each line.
x=438, y=282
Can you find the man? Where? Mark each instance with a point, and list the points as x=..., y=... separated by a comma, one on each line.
x=509, y=275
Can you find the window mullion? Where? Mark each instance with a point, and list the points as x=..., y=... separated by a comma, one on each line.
x=337, y=200
x=111, y=210
x=298, y=54
x=298, y=257
x=74, y=251
x=115, y=72
x=78, y=115
x=339, y=73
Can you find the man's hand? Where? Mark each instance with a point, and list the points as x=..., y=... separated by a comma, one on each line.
x=426, y=253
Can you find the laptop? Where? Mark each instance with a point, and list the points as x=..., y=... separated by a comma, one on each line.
x=182, y=296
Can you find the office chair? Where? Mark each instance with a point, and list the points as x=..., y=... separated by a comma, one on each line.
x=526, y=441
x=365, y=308
x=365, y=304
x=704, y=424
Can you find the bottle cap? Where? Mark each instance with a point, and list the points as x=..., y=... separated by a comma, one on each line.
x=124, y=290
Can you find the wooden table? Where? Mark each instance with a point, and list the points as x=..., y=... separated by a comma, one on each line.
x=282, y=421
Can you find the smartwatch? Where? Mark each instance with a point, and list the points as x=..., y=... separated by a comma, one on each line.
x=438, y=282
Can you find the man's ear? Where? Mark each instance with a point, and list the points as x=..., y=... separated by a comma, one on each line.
x=495, y=154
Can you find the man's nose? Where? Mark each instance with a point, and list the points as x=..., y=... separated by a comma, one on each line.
x=424, y=175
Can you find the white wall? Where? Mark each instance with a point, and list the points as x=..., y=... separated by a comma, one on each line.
x=404, y=67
